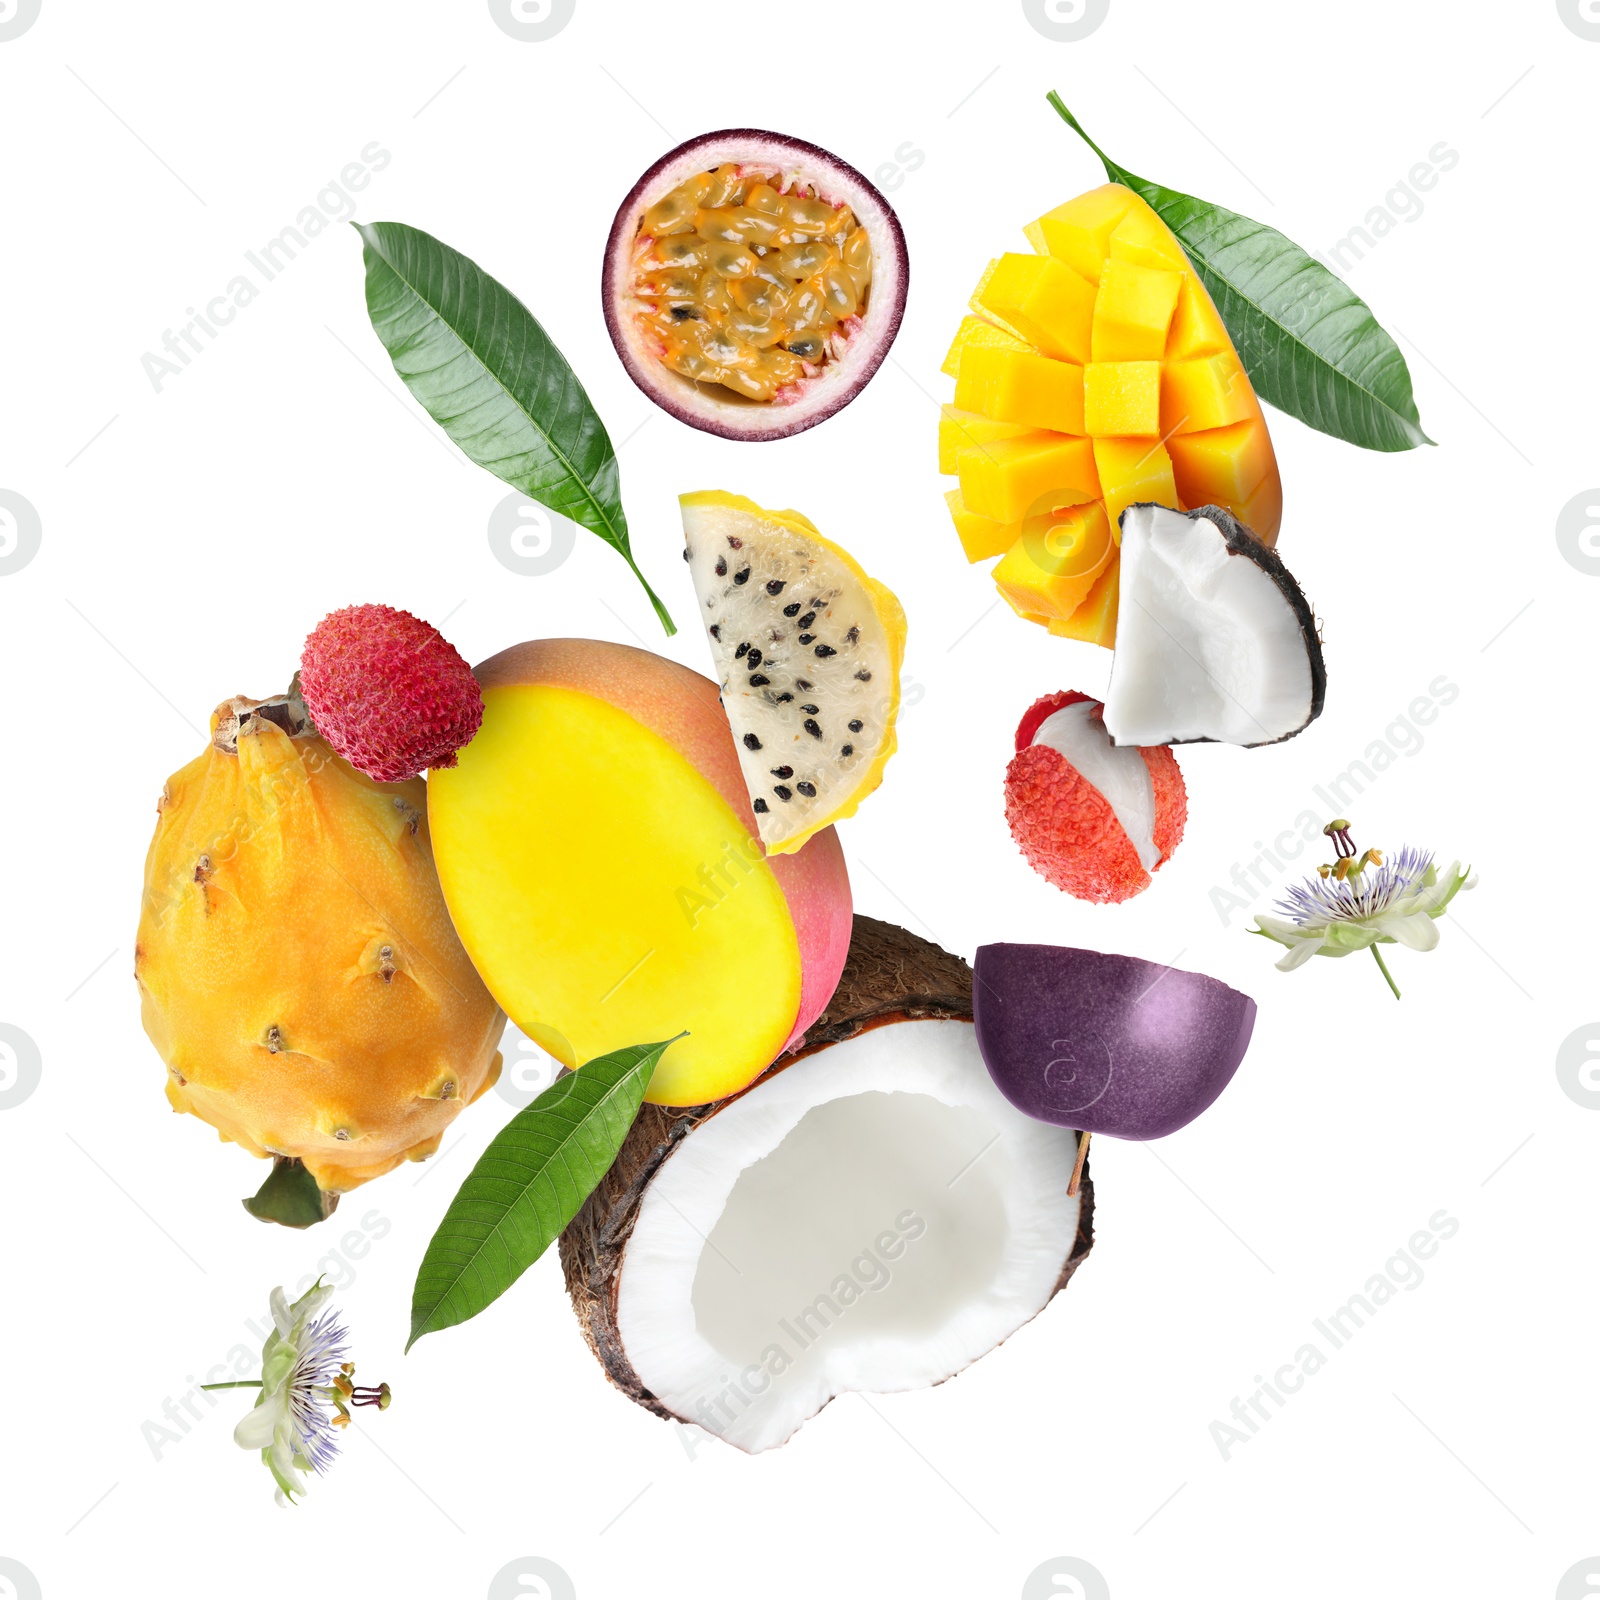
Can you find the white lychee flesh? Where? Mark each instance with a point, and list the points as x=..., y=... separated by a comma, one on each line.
x=1078, y=734
x=873, y=1218
x=1214, y=639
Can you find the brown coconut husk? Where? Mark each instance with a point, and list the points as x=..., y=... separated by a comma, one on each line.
x=890, y=975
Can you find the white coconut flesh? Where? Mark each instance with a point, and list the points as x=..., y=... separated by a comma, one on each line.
x=1209, y=645
x=1078, y=734
x=873, y=1218
x=808, y=676
x=789, y=165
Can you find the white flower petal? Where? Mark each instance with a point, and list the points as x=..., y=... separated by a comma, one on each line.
x=282, y=1319
x=255, y=1428
x=1299, y=953
x=1415, y=931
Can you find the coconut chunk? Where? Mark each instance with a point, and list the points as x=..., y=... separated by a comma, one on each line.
x=1215, y=640
x=875, y=1217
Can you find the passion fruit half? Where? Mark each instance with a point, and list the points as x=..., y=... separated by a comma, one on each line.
x=753, y=283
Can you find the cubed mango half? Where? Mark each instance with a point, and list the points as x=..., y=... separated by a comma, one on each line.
x=1162, y=409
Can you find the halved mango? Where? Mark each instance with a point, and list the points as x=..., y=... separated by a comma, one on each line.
x=601, y=864
x=1168, y=412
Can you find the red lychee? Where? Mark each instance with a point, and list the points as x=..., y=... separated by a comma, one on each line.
x=388, y=691
x=1093, y=818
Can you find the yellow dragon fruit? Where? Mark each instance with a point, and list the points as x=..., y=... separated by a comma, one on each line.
x=299, y=972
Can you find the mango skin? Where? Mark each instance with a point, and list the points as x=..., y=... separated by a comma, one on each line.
x=601, y=861
x=297, y=967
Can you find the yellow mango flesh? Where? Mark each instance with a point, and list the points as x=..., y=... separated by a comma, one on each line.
x=1168, y=413
x=962, y=430
x=979, y=333
x=610, y=896
x=1041, y=301
x=1054, y=563
x=1095, y=621
x=1020, y=386
x=1130, y=470
x=1121, y=398
x=1079, y=232
x=1015, y=478
x=1132, y=312
x=982, y=538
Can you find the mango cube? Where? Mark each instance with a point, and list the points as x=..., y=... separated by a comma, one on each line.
x=1133, y=469
x=1223, y=466
x=1209, y=392
x=1197, y=329
x=1132, y=311
x=1015, y=478
x=1095, y=621
x=1020, y=386
x=977, y=332
x=1079, y=232
x=980, y=537
x=1054, y=564
x=961, y=430
x=1121, y=397
x=1145, y=240
x=1042, y=301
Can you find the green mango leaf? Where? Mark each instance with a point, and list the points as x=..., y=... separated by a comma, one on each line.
x=528, y=1185
x=1310, y=344
x=489, y=375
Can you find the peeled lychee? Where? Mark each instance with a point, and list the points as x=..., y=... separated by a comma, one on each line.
x=389, y=692
x=1094, y=818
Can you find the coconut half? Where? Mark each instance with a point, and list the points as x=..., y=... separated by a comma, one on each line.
x=788, y=165
x=1215, y=640
x=870, y=1215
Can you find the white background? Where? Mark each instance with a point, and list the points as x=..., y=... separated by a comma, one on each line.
x=192, y=537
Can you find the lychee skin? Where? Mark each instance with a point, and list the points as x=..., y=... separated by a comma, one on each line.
x=388, y=691
x=1067, y=830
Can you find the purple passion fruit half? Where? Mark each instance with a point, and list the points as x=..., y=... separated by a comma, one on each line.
x=753, y=283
